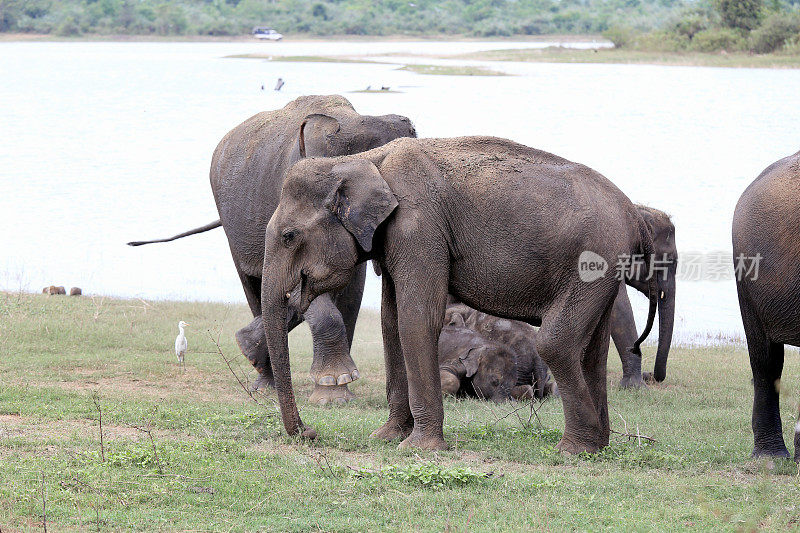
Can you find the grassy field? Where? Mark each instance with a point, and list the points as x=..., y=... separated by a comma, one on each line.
x=623, y=56
x=192, y=451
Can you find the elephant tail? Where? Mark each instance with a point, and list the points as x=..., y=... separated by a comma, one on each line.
x=647, y=251
x=201, y=229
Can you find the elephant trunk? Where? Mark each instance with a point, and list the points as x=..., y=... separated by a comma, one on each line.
x=274, y=316
x=666, y=322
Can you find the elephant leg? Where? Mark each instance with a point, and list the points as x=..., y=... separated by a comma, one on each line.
x=766, y=361
x=563, y=340
x=252, y=342
x=420, y=313
x=623, y=331
x=251, y=339
x=400, y=422
x=450, y=383
x=594, y=367
x=332, y=368
x=348, y=301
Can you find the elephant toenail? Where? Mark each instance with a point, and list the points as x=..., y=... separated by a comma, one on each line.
x=323, y=401
x=355, y=375
x=327, y=381
x=343, y=379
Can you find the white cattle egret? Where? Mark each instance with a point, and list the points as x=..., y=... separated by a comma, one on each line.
x=181, y=344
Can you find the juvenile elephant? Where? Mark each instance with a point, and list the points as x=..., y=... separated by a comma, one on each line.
x=509, y=230
x=623, y=325
x=472, y=365
x=247, y=173
x=532, y=374
x=766, y=255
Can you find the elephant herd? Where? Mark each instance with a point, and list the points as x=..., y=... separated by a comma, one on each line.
x=478, y=241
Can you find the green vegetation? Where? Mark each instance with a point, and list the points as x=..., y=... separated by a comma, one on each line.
x=486, y=18
x=192, y=451
x=452, y=70
x=650, y=57
x=724, y=26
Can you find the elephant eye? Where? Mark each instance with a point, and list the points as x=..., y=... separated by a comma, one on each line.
x=287, y=237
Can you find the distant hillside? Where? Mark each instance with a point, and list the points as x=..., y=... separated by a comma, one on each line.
x=484, y=18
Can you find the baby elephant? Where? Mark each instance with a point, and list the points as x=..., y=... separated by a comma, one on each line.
x=488, y=357
x=470, y=365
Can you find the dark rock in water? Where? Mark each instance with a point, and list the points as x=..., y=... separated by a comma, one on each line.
x=75, y=291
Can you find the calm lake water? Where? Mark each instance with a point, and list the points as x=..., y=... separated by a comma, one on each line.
x=103, y=143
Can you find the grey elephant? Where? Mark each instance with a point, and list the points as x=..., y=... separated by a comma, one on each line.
x=532, y=375
x=471, y=365
x=247, y=172
x=623, y=325
x=503, y=227
x=765, y=254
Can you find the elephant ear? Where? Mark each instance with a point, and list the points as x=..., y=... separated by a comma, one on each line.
x=471, y=360
x=649, y=221
x=315, y=133
x=360, y=199
x=456, y=319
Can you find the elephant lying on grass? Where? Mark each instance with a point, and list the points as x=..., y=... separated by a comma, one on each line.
x=497, y=361
x=492, y=358
x=247, y=173
x=502, y=227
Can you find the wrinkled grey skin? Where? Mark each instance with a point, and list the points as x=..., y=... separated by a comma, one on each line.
x=498, y=225
x=247, y=173
x=765, y=226
x=623, y=325
x=471, y=365
x=532, y=374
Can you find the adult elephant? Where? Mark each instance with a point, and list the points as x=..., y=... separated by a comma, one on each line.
x=509, y=230
x=623, y=325
x=766, y=253
x=247, y=173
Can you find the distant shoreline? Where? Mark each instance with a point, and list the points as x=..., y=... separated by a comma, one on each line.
x=623, y=56
x=46, y=37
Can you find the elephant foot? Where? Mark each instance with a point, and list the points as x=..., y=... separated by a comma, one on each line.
x=775, y=451
x=392, y=430
x=263, y=381
x=574, y=447
x=551, y=389
x=337, y=373
x=648, y=378
x=522, y=392
x=336, y=395
x=450, y=383
x=252, y=342
x=424, y=442
x=635, y=381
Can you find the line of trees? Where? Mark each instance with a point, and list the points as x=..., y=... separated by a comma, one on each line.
x=759, y=26
x=331, y=17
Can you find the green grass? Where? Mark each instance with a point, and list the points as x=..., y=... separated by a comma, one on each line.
x=624, y=56
x=225, y=463
x=447, y=70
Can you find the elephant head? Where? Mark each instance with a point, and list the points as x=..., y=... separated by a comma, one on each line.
x=323, y=227
x=470, y=363
x=322, y=135
x=665, y=267
x=493, y=373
